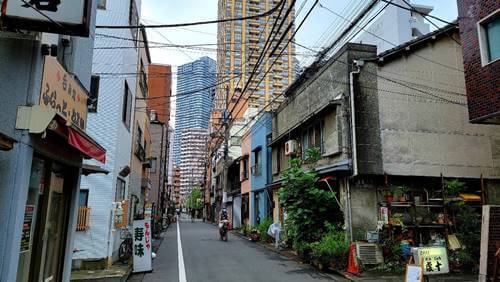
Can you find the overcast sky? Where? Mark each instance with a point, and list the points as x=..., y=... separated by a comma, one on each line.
x=314, y=32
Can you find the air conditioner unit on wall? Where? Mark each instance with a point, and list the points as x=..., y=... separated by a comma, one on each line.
x=291, y=147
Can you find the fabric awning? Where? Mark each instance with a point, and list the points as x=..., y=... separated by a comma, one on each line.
x=81, y=141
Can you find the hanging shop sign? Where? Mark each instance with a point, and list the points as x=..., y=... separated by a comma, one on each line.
x=435, y=260
x=60, y=91
x=29, y=211
x=142, y=245
x=54, y=16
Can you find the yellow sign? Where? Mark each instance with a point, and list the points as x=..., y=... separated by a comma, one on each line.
x=435, y=260
x=63, y=93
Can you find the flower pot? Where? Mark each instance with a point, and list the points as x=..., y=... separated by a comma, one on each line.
x=402, y=198
x=389, y=198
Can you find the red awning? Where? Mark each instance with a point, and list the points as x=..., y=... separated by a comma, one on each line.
x=86, y=145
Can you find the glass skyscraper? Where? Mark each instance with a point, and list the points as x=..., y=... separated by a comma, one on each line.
x=195, y=93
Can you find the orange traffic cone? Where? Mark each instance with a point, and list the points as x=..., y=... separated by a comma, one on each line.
x=352, y=266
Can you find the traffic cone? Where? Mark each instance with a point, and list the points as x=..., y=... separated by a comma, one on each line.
x=352, y=266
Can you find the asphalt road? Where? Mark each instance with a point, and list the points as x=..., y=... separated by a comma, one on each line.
x=206, y=258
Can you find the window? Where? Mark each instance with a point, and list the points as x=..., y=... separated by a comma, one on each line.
x=489, y=38
x=256, y=168
x=244, y=168
x=312, y=137
x=127, y=106
x=153, y=165
x=133, y=19
x=120, y=190
x=83, y=200
x=101, y=4
x=94, y=94
x=143, y=81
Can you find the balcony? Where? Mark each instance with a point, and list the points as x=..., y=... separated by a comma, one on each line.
x=83, y=219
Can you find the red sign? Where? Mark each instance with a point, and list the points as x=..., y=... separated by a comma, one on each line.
x=85, y=145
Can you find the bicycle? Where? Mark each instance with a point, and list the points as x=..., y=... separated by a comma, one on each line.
x=125, y=250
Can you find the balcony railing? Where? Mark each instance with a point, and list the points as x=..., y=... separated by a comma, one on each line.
x=256, y=170
x=83, y=219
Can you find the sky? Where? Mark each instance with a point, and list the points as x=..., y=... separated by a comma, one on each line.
x=315, y=32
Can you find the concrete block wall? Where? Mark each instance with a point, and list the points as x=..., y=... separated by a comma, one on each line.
x=425, y=130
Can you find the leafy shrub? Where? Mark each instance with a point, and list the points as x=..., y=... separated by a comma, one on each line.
x=333, y=247
x=263, y=227
x=309, y=209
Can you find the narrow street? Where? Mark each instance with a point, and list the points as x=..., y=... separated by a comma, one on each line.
x=206, y=258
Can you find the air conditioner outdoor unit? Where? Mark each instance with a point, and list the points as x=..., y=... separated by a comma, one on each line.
x=369, y=253
x=290, y=147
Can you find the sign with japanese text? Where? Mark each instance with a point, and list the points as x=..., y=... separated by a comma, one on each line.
x=63, y=93
x=435, y=260
x=29, y=211
x=56, y=16
x=142, y=245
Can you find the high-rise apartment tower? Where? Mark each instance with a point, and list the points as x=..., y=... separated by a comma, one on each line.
x=240, y=45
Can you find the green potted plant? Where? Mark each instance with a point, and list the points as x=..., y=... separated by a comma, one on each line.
x=389, y=196
x=453, y=187
x=403, y=193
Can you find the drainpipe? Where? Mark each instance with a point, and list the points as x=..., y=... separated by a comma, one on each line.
x=354, y=155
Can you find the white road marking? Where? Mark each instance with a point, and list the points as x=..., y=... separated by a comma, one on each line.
x=180, y=256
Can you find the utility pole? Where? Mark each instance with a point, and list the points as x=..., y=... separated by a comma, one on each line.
x=226, y=149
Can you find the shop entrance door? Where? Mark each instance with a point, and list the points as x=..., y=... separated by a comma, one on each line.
x=45, y=255
x=54, y=234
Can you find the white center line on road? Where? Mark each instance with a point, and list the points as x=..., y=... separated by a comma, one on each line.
x=180, y=256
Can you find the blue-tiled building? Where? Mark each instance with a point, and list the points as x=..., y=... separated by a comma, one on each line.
x=261, y=170
x=193, y=106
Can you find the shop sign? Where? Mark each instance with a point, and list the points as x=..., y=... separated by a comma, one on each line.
x=434, y=259
x=142, y=245
x=148, y=211
x=55, y=16
x=63, y=93
x=26, y=235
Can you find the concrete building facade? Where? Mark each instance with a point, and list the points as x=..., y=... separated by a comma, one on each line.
x=192, y=159
x=411, y=128
x=395, y=26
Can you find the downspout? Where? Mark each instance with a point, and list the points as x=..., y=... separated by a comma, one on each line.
x=357, y=65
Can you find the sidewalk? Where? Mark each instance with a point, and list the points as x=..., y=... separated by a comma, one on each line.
x=118, y=272
x=382, y=276
x=369, y=276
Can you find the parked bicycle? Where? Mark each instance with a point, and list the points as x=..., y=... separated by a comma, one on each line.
x=126, y=248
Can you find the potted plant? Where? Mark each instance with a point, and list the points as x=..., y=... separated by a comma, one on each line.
x=403, y=193
x=453, y=187
x=254, y=235
x=389, y=197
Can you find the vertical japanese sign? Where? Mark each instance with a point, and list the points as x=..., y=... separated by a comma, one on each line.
x=26, y=235
x=435, y=260
x=142, y=245
x=63, y=93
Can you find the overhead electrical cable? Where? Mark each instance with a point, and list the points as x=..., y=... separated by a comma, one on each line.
x=265, y=14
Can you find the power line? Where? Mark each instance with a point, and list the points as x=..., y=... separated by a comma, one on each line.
x=408, y=9
x=363, y=28
x=291, y=38
x=265, y=14
x=413, y=9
